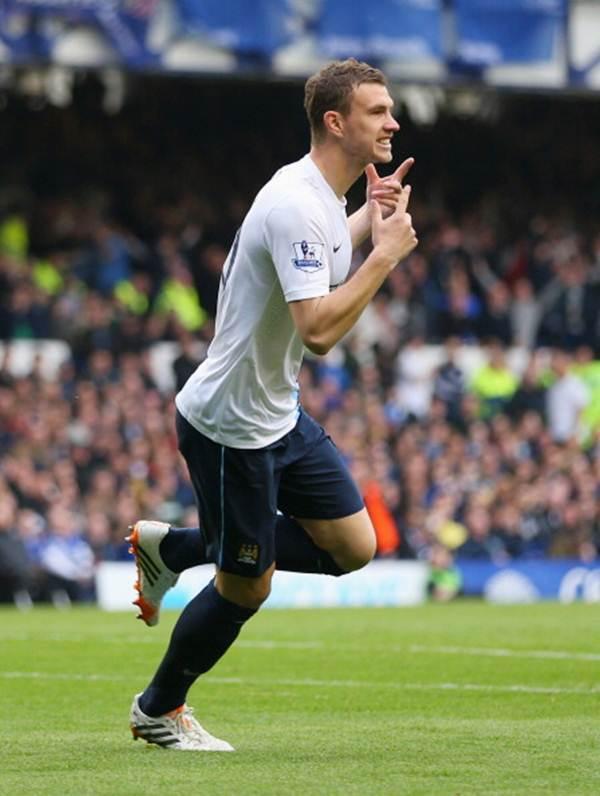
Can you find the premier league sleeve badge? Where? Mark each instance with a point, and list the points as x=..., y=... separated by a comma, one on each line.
x=308, y=256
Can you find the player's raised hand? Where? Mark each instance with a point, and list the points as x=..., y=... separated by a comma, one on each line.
x=393, y=237
x=386, y=190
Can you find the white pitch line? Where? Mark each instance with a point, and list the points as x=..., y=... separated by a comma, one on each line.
x=525, y=689
x=267, y=644
x=315, y=683
x=78, y=639
x=276, y=645
x=74, y=638
x=88, y=678
x=559, y=655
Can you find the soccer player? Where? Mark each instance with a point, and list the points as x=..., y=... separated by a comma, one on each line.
x=272, y=489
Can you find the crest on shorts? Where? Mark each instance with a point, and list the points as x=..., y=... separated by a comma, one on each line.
x=248, y=554
x=309, y=255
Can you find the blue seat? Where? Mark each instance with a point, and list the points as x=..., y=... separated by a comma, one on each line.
x=259, y=27
x=405, y=29
x=379, y=29
x=493, y=32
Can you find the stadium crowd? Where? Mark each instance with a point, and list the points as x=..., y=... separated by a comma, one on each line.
x=485, y=445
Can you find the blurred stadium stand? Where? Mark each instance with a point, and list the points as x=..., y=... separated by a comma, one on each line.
x=549, y=43
x=134, y=135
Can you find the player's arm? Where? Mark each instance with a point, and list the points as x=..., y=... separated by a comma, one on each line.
x=385, y=191
x=324, y=320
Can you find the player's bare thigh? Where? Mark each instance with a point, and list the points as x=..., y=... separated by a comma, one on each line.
x=350, y=540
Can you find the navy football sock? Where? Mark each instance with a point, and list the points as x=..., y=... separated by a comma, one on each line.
x=182, y=548
x=206, y=629
x=295, y=551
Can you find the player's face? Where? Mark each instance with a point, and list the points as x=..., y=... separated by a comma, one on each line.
x=370, y=126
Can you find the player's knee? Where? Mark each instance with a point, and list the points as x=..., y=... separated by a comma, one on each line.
x=256, y=592
x=361, y=554
x=247, y=592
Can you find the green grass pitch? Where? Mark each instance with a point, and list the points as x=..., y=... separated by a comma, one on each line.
x=464, y=698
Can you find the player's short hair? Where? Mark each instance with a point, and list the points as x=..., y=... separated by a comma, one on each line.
x=331, y=88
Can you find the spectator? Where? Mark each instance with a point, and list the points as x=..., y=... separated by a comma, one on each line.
x=445, y=580
x=441, y=522
x=207, y=275
x=525, y=314
x=496, y=320
x=569, y=319
x=177, y=296
x=67, y=559
x=461, y=309
x=109, y=259
x=481, y=543
x=15, y=569
x=494, y=383
x=530, y=395
x=506, y=528
x=386, y=530
x=28, y=313
x=588, y=370
x=414, y=380
x=566, y=399
x=188, y=360
x=449, y=382
x=573, y=537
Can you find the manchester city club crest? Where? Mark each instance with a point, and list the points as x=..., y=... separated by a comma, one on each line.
x=248, y=554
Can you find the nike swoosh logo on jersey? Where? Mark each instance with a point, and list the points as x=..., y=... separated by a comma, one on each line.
x=337, y=248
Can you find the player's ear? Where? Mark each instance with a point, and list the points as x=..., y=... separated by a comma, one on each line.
x=334, y=123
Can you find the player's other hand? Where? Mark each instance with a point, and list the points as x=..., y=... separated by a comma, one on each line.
x=386, y=190
x=393, y=237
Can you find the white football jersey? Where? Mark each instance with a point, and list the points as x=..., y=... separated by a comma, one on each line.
x=293, y=244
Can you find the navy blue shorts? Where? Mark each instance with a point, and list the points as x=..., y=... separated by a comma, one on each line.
x=239, y=491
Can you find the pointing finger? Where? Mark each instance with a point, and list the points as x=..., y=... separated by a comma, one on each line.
x=403, y=169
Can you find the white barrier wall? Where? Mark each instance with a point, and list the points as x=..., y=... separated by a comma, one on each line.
x=380, y=583
x=162, y=355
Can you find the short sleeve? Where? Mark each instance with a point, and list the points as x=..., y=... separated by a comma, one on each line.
x=297, y=242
